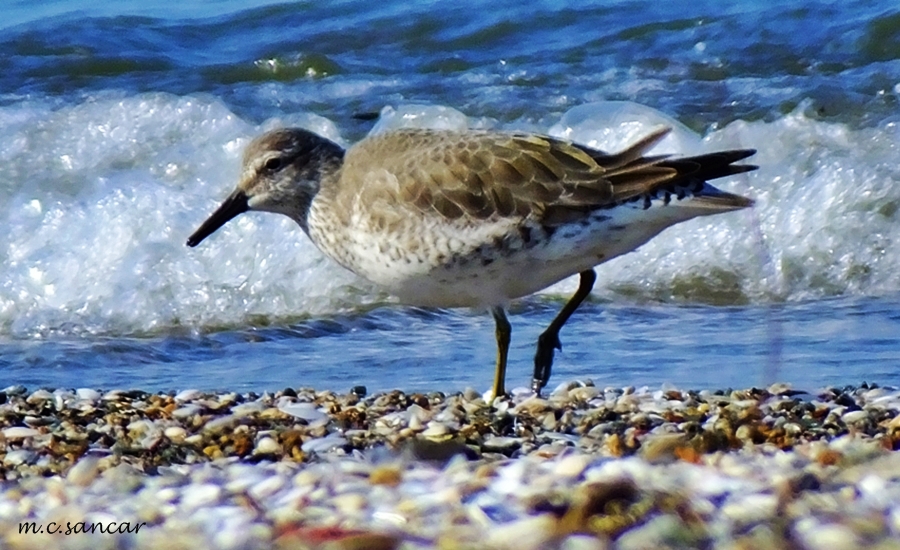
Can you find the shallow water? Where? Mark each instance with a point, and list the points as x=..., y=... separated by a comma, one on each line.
x=122, y=128
x=810, y=345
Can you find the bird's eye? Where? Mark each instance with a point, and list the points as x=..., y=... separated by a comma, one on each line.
x=273, y=164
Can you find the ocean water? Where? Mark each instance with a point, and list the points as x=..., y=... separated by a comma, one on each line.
x=122, y=125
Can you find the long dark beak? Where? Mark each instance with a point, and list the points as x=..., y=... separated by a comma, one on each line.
x=235, y=204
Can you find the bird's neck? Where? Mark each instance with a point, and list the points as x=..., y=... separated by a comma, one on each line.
x=317, y=176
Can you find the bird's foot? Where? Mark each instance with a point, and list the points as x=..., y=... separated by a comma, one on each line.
x=543, y=360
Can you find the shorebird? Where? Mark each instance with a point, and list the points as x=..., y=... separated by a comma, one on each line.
x=476, y=218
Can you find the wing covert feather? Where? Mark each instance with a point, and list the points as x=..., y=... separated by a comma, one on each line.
x=483, y=174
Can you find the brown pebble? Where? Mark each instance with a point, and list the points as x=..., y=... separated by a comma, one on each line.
x=242, y=443
x=213, y=452
x=662, y=447
x=386, y=475
x=614, y=445
x=610, y=498
x=829, y=457
x=291, y=439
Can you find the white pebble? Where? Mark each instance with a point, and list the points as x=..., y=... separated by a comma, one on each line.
x=267, y=446
x=88, y=394
x=435, y=429
x=247, y=409
x=826, y=536
x=529, y=533
x=751, y=508
x=185, y=412
x=84, y=471
x=187, y=395
x=200, y=495
x=304, y=411
x=267, y=487
x=38, y=397
x=20, y=432
x=571, y=466
x=175, y=433
x=854, y=416
x=19, y=456
x=220, y=424
x=323, y=444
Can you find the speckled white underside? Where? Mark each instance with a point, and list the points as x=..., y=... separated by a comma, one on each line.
x=430, y=261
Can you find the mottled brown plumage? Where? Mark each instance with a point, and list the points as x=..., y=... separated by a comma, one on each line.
x=481, y=175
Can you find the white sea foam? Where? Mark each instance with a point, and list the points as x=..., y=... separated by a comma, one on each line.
x=100, y=197
x=824, y=224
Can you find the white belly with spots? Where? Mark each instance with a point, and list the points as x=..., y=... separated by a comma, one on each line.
x=433, y=263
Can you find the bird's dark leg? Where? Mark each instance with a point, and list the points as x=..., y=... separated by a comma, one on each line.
x=504, y=333
x=549, y=339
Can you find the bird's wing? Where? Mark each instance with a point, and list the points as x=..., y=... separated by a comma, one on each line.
x=482, y=175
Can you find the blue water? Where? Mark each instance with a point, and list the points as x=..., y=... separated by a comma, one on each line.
x=122, y=126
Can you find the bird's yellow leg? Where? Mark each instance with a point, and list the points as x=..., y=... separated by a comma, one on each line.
x=503, y=332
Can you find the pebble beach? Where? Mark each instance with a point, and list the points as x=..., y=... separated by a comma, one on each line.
x=585, y=467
